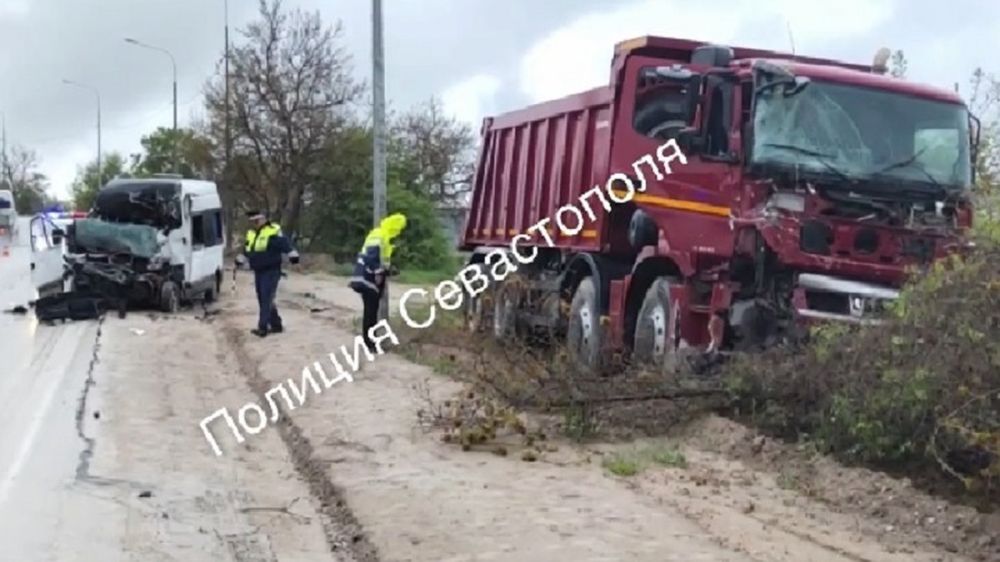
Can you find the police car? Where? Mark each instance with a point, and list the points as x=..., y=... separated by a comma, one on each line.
x=65, y=218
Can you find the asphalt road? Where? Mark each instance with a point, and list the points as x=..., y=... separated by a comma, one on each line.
x=101, y=457
x=42, y=374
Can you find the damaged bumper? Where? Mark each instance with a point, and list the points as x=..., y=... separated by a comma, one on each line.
x=824, y=297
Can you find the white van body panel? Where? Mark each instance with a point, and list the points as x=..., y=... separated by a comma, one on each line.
x=208, y=240
x=46, y=255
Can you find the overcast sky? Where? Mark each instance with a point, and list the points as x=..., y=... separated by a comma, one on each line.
x=478, y=56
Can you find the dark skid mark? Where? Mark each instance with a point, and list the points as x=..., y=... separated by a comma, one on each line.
x=344, y=533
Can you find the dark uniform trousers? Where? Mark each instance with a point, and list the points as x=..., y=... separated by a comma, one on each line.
x=372, y=300
x=266, y=283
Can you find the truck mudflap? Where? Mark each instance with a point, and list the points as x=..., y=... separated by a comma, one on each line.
x=823, y=297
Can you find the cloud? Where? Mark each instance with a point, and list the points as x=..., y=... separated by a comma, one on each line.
x=14, y=8
x=472, y=98
x=577, y=56
x=480, y=57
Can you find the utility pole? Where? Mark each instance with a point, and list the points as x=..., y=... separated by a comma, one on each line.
x=100, y=170
x=173, y=64
x=97, y=93
x=378, y=63
x=378, y=174
x=228, y=138
x=5, y=174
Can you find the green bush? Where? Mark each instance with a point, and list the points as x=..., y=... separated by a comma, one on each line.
x=339, y=215
x=923, y=388
x=423, y=245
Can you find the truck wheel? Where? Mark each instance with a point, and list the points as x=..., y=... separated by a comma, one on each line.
x=504, y=311
x=652, y=326
x=170, y=298
x=476, y=308
x=583, y=330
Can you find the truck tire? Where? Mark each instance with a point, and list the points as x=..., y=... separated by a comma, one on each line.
x=650, y=345
x=583, y=330
x=170, y=297
x=504, y=311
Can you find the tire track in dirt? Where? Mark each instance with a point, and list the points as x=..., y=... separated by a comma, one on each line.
x=344, y=533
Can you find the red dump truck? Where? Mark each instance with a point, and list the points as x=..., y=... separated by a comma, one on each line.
x=810, y=187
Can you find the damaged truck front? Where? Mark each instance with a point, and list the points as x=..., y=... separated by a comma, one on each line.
x=129, y=249
x=808, y=191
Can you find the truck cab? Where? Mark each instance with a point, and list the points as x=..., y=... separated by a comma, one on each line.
x=817, y=183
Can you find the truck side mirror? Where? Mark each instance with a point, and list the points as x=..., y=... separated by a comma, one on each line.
x=975, y=127
x=57, y=236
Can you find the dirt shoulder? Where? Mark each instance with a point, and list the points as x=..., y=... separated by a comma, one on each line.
x=150, y=487
x=418, y=498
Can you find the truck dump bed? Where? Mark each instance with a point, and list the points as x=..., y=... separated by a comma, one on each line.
x=537, y=159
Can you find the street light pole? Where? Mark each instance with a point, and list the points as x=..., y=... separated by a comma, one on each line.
x=173, y=64
x=4, y=149
x=378, y=68
x=228, y=138
x=97, y=93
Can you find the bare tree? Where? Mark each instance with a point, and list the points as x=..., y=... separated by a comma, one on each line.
x=441, y=148
x=22, y=175
x=289, y=85
x=984, y=102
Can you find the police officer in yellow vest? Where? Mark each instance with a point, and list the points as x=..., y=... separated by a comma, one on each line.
x=264, y=249
x=372, y=266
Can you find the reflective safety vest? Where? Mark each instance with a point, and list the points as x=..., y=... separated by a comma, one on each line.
x=257, y=240
x=377, y=238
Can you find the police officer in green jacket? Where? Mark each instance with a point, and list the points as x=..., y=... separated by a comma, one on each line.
x=263, y=251
x=372, y=266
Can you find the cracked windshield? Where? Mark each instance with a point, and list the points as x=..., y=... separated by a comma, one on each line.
x=864, y=133
x=468, y=280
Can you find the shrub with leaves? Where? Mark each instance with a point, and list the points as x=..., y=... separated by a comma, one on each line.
x=924, y=387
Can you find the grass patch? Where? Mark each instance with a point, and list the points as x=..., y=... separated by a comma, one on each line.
x=413, y=276
x=419, y=312
x=669, y=456
x=578, y=423
x=442, y=364
x=621, y=465
x=633, y=462
x=341, y=269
